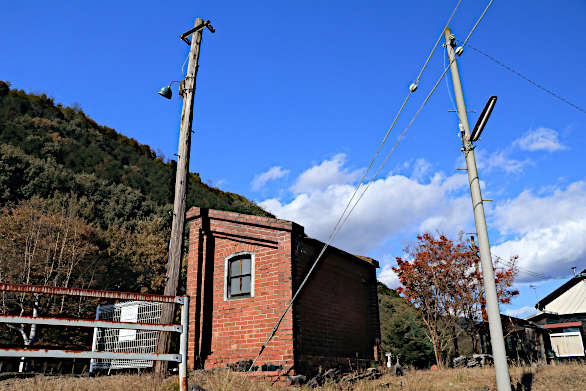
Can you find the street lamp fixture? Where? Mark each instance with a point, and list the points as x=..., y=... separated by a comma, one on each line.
x=166, y=92
x=479, y=127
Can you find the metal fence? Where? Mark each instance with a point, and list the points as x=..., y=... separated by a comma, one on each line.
x=180, y=358
x=131, y=341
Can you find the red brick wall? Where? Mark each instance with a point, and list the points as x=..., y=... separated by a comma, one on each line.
x=336, y=315
x=223, y=332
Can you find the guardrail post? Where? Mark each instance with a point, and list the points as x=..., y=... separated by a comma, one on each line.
x=183, y=344
x=95, y=340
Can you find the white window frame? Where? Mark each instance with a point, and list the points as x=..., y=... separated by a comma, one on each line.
x=252, y=275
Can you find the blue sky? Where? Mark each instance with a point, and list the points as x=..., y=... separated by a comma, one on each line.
x=294, y=97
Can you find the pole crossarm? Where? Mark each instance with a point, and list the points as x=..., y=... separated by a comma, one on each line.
x=200, y=26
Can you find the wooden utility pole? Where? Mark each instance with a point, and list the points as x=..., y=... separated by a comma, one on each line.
x=176, y=243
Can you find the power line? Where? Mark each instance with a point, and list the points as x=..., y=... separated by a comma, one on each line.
x=535, y=275
x=477, y=22
x=416, y=114
x=437, y=42
x=398, y=141
x=342, y=219
x=508, y=68
x=412, y=89
x=528, y=272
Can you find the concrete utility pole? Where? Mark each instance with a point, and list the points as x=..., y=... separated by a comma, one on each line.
x=176, y=244
x=503, y=380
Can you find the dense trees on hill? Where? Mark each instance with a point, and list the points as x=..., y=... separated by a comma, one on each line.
x=103, y=203
x=66, y=138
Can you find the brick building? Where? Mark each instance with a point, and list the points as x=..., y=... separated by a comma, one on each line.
x=243, y=270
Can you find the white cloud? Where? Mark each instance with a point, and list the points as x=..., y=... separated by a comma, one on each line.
x=500, y=160
x=521, y=312
x=549, y=233
x=546, y=230
x=329, y=172
x=528, y=212
x=540, y=139
x=273, y=173
x=388, y=277
x=392, y=204
x=420, y=168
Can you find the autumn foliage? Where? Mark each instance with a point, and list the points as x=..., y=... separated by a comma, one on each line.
x=442, y=280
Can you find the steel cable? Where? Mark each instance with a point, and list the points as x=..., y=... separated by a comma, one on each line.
x=508, y=68
x=417, y=113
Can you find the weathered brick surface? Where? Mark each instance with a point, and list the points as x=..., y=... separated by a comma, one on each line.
x=335, y=317
x=224, y=332
x=336, y=314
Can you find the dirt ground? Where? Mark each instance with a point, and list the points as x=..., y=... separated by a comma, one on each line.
x=568, y=377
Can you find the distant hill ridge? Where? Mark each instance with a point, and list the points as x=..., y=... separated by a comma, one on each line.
x=46, y=148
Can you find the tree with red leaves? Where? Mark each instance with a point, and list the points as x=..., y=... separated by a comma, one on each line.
x=441, y=279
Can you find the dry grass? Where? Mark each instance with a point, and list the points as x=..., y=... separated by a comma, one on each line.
x=567, y=377
x=104, y=383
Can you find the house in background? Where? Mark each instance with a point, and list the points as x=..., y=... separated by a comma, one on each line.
x=563, y=313
x=525, y=341
x=243, y=270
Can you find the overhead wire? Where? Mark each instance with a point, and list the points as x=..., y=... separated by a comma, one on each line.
x=416, y=114
x=417, y=79
x=343, y=217
x=437, y=42
x=523, y=270
x=398, y=141
x=477, y=22
x=534, y=275
x=519, y=74
x=337, y=226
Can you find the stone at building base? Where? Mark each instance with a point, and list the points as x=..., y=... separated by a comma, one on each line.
x=473, y=361
x=347, y=379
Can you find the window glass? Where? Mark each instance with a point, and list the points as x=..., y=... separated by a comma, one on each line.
x=235, y=286
x=246, y=266
x=235, y=268
x=246, y=284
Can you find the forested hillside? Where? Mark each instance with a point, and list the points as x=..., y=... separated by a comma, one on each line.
x=46, y=148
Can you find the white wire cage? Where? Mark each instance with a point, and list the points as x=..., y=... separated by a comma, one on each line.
x=125, y=340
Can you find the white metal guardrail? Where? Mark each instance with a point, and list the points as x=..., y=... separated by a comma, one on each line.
x=180, y=358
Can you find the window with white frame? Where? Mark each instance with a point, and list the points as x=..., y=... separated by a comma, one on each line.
x=239, y=276
x=568, y=344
